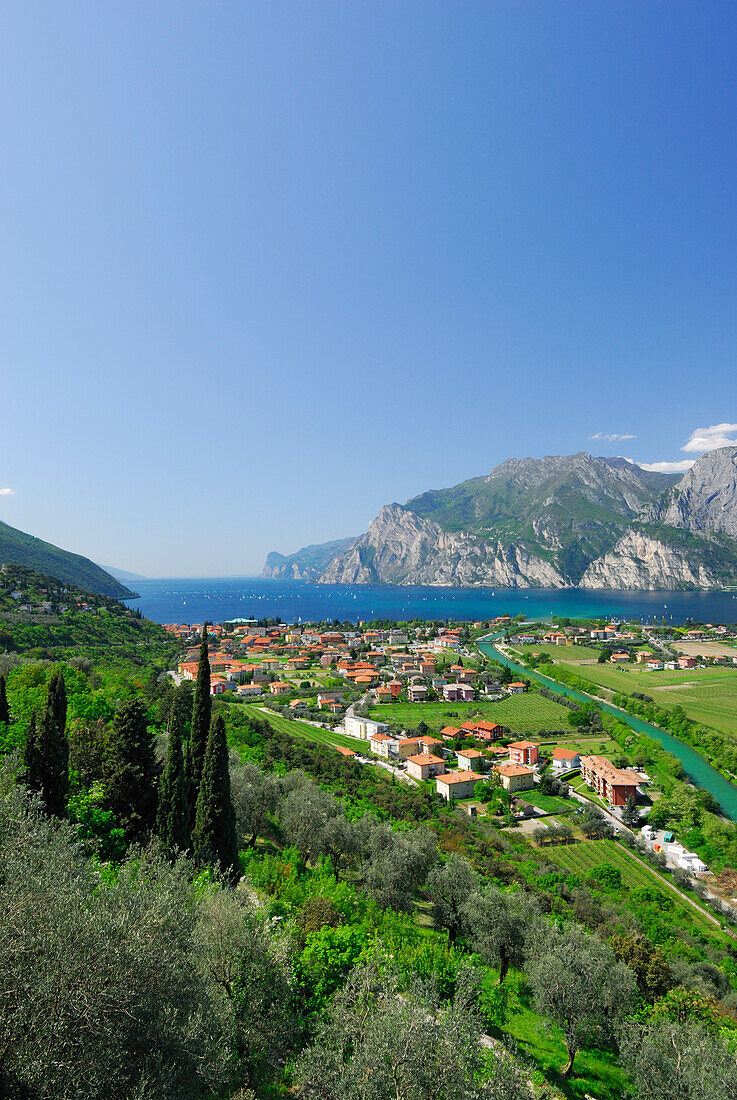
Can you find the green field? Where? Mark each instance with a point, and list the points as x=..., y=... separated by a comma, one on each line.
x=304, y=730
x=583, y=857
x=707, y=695
x=551, y=803
x=529, y=713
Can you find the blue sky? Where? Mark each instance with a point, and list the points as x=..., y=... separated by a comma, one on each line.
x=266, y=267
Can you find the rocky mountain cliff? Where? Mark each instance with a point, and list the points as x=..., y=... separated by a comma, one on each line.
x=556, y=522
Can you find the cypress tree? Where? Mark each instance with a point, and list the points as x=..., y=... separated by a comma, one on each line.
x=173, y=814
x=214, y=838
x=4, y=710
x=52, y=747
x=132, y=773
x=201, y=717
x=31, y=757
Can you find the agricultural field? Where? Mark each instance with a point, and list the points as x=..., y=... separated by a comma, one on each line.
x=584, y=857
x=707, y=695
x=303, y=730
x=523, y=714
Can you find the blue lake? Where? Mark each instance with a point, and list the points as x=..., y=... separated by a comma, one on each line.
x=220, y=598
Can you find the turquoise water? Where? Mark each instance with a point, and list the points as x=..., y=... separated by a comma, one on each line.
x=698, y=770
x=219, y=598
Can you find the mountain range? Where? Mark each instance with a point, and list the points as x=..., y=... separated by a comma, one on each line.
x=18, y=548
x=555, y=522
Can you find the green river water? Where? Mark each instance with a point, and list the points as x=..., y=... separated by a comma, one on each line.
x=698, y=770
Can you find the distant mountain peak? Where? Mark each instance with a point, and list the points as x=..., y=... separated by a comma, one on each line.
x=557, y=521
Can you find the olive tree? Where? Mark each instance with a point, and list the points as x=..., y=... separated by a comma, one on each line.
x=578, y=984
x=672, y=1061
x=379, y=1043
x=503, y=925
x=450, y=887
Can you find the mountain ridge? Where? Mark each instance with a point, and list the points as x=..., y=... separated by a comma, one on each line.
x=19, y=548
x=561, y=521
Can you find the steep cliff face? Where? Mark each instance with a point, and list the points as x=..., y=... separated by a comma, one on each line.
x=640, y=561
x=556, y=522
x=705, y=499
x=403, y=548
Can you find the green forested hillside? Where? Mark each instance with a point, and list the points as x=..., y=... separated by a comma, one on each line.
x=22, y=549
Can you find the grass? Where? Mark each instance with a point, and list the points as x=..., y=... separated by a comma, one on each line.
x=707, y=695
x=523, y=714
x=583, y=857
x=551, y=803
x=304, y=730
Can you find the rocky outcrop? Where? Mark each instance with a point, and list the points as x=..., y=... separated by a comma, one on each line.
x=641, y=561
x=705, y=499
x=403, y=548
x=556, y=522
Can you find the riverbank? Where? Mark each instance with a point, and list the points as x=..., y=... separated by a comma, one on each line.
x=701, y=773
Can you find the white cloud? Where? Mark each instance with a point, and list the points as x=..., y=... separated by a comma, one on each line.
x=7, y=492
x=668, y=467
x=613, y=438
x=708, y=439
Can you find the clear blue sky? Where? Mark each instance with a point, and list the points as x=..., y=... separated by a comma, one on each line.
x=265, y=267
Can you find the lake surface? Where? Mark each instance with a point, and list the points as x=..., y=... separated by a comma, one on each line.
x=220, y=598
x=701, y=773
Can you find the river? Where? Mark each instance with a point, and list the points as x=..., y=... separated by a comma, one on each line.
x=698, y=770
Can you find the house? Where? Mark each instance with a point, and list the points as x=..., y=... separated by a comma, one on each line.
x=325, y=697
x=517, y=688
x=643, y=655
x=454, y=785
x=396, y=687
x=516, y=777
x=406, y=747
x=380, y=744
x=524, y=752
x=484, y=731
x=343, y=751
x=298, y=705
x=454, y=693
x=218, y=686
x=618, y=658
x=449, y=733
x=686, y=662
x=430, y=744
x=613, y=784
x=417, y=693
x=565, y=759
x=250, y=689
x=279, y=687
x=384, y=693
x=654, y=665
x=363, y=728
x=425, y=766
x=470, y=759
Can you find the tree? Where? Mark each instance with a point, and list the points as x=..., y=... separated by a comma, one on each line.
x=52, y=747
x=201, y=720
x=304, y=814
x=131, y=777
x=502, y=927
x=578, y=983
x=374, y=1043
x=449, y=887
x=88, y=745
x=398, y=862
x=104, y=994
x=4, y=709
x=630, y=813
x=173, y=812
x=646, y=961
x=594, y=825
x=254, y=794
x=214, y=837
x=678, y=1061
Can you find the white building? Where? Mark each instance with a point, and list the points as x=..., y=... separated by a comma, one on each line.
x=363, y=728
